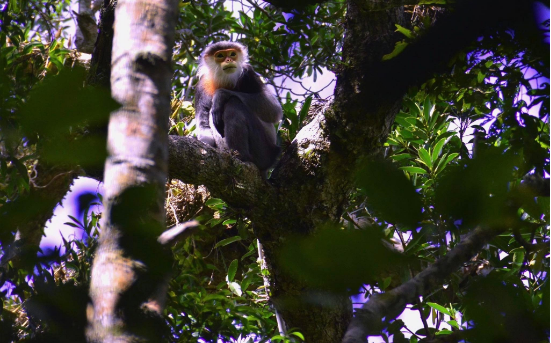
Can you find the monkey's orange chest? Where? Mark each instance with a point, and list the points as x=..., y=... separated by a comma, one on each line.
x=208, y=85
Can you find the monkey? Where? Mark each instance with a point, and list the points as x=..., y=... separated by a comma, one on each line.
x=234, y=110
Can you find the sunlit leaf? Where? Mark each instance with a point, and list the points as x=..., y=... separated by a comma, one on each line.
x=437, y=148
x=414, y=170
x=235, y=288
x=425, y=157
x=439, y=308
x=232, y=269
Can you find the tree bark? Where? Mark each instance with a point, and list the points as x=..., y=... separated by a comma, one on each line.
x=311, y=182
x=100, y=68
x=87, y=28
x=128, y=281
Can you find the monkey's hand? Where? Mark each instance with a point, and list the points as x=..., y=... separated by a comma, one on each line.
x=217, y=111
x=206, y=136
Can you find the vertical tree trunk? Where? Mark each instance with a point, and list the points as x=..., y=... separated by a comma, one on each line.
x=357, y=126
x=128, y=275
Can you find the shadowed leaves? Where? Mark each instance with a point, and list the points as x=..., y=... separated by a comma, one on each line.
x=60, y=110
x=507, y=313
x=340, y=260
x=390, y=193
x=478, y=192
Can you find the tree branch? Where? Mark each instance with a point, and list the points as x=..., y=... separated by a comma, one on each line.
x=432, y=52
x=178, y=233
x=374, y=6
x=386, y=306
x=239, y=184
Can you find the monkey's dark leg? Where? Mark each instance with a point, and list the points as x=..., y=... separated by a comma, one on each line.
x=236, y=129
x=246, y=134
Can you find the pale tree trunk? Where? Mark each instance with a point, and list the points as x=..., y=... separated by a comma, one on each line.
x=130, y=267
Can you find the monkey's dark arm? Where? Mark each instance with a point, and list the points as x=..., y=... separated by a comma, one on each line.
x=264, y=105
x=203, y=103
x=254, y=94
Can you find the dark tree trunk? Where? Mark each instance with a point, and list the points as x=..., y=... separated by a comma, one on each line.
x=100, y=68
x=311, y=183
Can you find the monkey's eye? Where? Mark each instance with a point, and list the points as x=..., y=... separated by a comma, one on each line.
x=219, y=56
x=233, y=54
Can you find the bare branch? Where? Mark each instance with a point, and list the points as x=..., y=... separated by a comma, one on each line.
x=178, y=232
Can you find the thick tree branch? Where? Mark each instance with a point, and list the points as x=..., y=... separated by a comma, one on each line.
x=374, y=5
x=387, y=306
x=452, y=34
x=239, y=184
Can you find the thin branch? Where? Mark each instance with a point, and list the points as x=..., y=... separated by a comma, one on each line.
x=417, y=300
x=384, y=307
x=178, y=232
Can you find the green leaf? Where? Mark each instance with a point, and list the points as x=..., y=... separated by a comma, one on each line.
x=387, y=186
x=227, y=241
x=439, y=308
x=214, y=221
x=444, y=161
x=297, y=334
x=443, y=332
x=245, y=283
x=414, y=170
x=437, y=149
x=232, y=270
x=454, y=324
x=400, y=46
x=433, y=121
x=480, y=77
x=386, y=282
x=319, y=260
x=214, y=202
x=428, y=110
x=425, y=157
x=71, y=266
x=277, y=338
x=414, y=108
x=235, y=288
x=402, y=121
x=451, y=157
x=518, y=255
x=404, y=31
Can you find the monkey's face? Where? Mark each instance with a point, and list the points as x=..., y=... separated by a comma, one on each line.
x=227, y=60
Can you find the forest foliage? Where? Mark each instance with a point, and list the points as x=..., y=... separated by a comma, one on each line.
x=459, y=154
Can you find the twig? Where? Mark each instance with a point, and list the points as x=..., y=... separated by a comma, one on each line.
x=178, y=232
x=381, y=308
